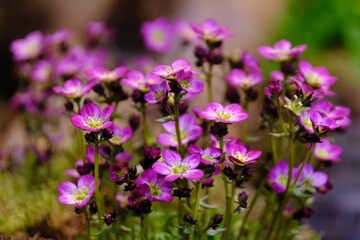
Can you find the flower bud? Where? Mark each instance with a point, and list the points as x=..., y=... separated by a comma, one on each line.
x=93, y=208
x=69, y=106
x=305, y=212
x=134, y=122
x=189, y=219
x=91, y=138
x=106, y=134
x=243, y=197
x=200, y=52
x=216, y=220
x=137, y=96
x=99, y=89
x=219, y=130
x=182, y=193
x=78, y=210
x=109, y=218
x=232, y=96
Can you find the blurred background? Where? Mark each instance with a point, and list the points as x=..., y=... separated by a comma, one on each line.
x=330, y=28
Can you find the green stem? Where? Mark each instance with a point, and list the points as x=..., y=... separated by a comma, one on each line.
x=97, y=192
x=145, y=126
x=143, y=225
x=177, y=125
x=305, y=161
x=195, y=210
x=286, y=194
x=208, y=77
x=88, y=227
x=252, y=204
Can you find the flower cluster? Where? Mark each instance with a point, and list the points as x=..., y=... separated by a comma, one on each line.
x=170, y=149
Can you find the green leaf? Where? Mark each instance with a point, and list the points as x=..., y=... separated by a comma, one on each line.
x=212, y=232
x=164, y=119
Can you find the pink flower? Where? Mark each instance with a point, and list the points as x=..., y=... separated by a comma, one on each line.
x=326, y=151
x=92, y=119
x=229, y=114
x=158, y=188
x=27, y=48
x=42, y=71
x=281, y=51
x=239, y=78
x=174, y=167
x=208, y=156
x=157, y=92
x=79, y=194
x=120, y=135
x=310, y=179
x=171, y=71
x=240, y=155
x=188, y=83
x=137, y=80
x=279, y=175
x=74, y=88
x=189, y=131
x=105, y=75
x=211, y=31
x=317, y=77
x=158, y=35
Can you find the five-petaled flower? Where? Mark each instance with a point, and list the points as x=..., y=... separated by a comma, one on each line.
x=92, y=119
x=211, y=31
x=282, y=51
x=104, y=75
x=240, y=155
x=229, y=114
x=175, y=167
x=74, y=88
x=79, y=194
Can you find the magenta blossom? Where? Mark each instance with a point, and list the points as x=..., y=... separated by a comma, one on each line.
x=340, y=114
x=313, y=121
x=240, y=155
x=326, y=151
x=104, y=75
x=42, y=71
x=279, y=175
x=80, y=195
x=98, y=32
x=310, y=179
x=317, y=77
x=120, y=135
x=189, y=131
x=158, y=35
x=229, y=114
x=27, y=48
x=137, y=80
x=171, y=71
x=239, y=78
x=159, y=189
x=92, y=119
x=275, y=87
x=282, y=51
x=188, y=83
x=74, y=88
x=157, y=92
x=211, y=31
x=208, y=156
x=174, y=167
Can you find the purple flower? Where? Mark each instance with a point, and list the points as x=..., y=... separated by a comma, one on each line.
x=157, y=92
x=158, y=35
x=120, y=135
x=278, y=176
x=211, y=31
x=317, y=77
x=174, y=167
x=189, y=131
x=239, y=78
x=74, y=88
x=229, y=114
x=80, y=195
x=92, y=119
x=159, y=189
x=123, y=158
x=210, y=155
x=275, y=87
x=188, y=83
x=171, y=71
x=240, y=155
x=27, y=48
x=339, y=114
x=98, y=32
x=313, y=121
x=42, y=71
x=105, y=75
x=281, y=51
x=310, y=179
x=137, y=80
x=118, y=173
x=326, y=151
